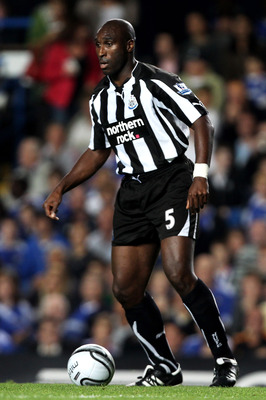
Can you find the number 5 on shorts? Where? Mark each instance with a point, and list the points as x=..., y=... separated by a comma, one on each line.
x=169, y=218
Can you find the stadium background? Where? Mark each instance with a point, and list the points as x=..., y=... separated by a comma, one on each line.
x=55, y=283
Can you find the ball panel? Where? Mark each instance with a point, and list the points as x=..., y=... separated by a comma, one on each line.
x=95, y=347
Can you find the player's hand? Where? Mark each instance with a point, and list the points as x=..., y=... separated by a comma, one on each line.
x=51, y=205
x=198, y=194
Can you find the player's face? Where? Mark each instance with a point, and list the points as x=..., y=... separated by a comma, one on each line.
x=112, y=51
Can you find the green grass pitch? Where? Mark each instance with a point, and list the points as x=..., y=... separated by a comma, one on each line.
x=41, y=391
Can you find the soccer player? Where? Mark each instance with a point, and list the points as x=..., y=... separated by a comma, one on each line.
x=144, y=114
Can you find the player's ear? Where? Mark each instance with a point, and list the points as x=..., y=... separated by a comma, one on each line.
x=130, y=45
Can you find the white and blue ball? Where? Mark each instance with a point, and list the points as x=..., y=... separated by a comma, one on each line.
x=91, y=365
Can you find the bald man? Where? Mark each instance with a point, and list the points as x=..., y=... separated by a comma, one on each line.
x=144, y=115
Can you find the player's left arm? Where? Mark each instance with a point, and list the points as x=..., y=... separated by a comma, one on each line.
x=199, y=190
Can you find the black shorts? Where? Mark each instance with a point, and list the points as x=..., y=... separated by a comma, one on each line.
x=152, y=206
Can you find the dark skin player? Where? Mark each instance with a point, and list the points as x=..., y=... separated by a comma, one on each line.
x=132, y=265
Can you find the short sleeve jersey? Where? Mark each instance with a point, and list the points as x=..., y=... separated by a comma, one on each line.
x=145, y=121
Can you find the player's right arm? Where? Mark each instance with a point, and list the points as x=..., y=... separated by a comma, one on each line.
x=86, y=166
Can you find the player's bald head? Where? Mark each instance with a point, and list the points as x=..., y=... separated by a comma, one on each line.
x=120, y=27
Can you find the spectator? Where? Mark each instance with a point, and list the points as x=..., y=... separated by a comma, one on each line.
x=35, y=169
x=223, y=266
x=248, y=328
x=13, y=111
x=78, y=325
x=11, y=246
x=37, y=249
x=226, y=193
x=257, y=161
x=166, y=52
x=48, y=338
x=48, y=20
x=234, y=242
x=55, y=306
x=77, y=205
x=78, y=256
x=52, y=311
x=55, y=280
x=26, y=218
x=17, y=192
x=247, y=258
x=251, y=341
x=245, y=144
x=221, y=37
x=255, y=83
x=244, y=44
x=69, y=65
x=101, y=332
x=79, y=126
x=55, y=149
x=16, y=315
x=236, y=101
x=102, y=271
x=197, y=72
x=48, y=23
x=102, y=191
x=97, y=12
x=249, y=297
x=256, y=206
x=198, y=40
x=99, y=240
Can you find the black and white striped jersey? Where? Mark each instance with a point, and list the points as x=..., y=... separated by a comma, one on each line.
x=146, y=121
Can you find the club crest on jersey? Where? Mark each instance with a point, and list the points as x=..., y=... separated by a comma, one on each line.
x=132, y=103
x=182, y=88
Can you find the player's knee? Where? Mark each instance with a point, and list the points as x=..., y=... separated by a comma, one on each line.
x=122, y=295
x=182, y=281
x=127, y=297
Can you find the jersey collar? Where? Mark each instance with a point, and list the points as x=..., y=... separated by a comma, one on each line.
x=128, y=79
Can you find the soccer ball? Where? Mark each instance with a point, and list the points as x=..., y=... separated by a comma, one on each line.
x=91, y=365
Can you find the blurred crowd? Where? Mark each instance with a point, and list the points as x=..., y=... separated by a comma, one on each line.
x=55, y=277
